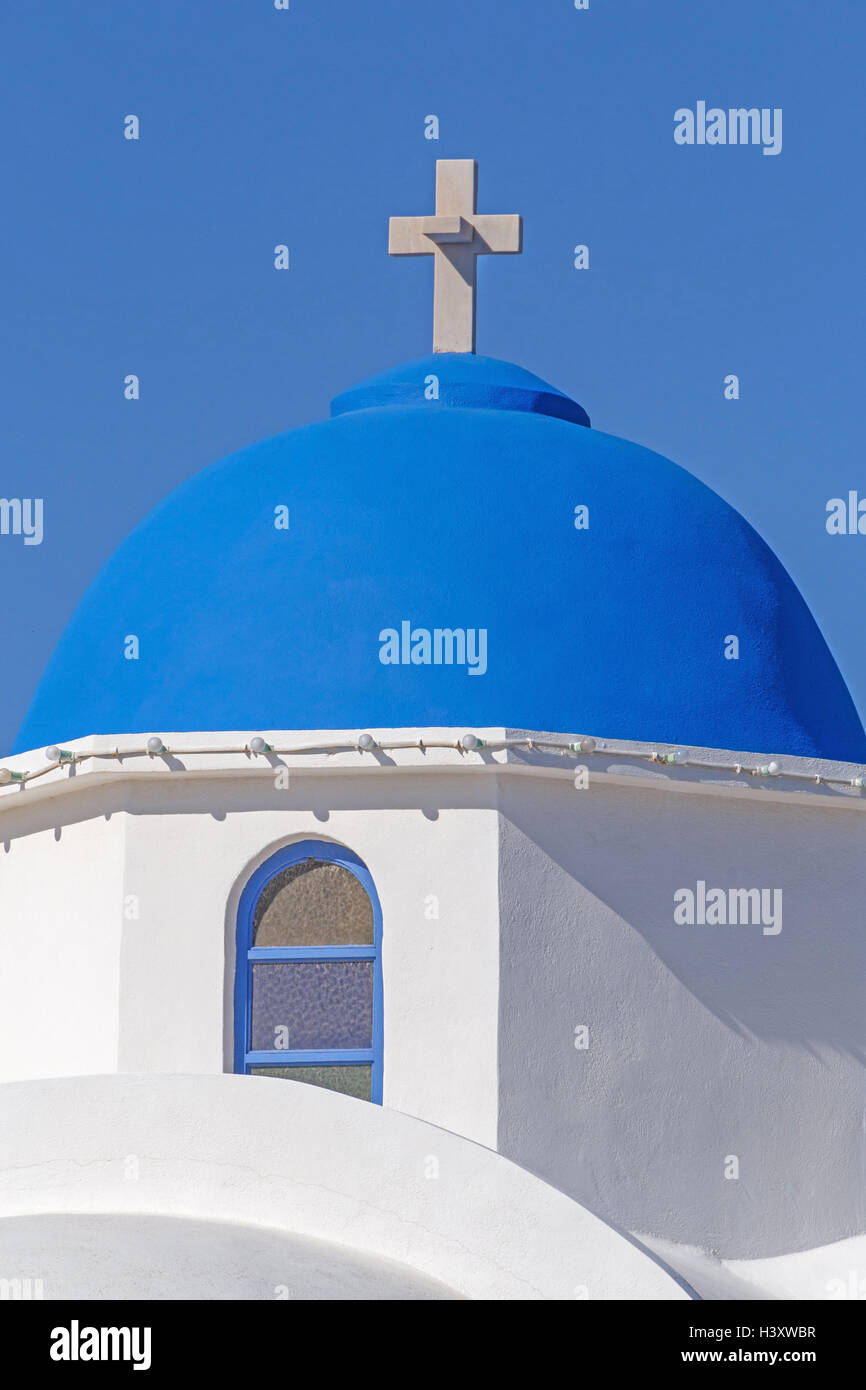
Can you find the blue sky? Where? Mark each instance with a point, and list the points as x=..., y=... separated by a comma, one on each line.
x=306, y=127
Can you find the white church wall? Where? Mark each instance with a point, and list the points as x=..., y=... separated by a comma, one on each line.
x=711, y=1049
x=60, y=936
x=128, y=959
x=190, y=850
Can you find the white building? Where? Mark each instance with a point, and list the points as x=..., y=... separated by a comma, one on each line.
x=582, y=1010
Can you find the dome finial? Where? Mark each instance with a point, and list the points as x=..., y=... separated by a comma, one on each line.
x=455, y=236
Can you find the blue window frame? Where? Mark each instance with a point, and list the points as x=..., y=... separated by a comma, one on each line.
x=330, y=996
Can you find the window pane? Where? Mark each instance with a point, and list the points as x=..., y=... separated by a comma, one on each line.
x=312, y=1004
x=313, y=904
x=352, y=1081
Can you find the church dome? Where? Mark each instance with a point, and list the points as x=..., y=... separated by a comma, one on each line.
x=311, y=581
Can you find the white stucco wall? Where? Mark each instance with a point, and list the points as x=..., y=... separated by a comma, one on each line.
x=110, y=1255
x=61, y=874
x=130, y=893
x=440, y=976
x=704, y=1041
x=118, y=895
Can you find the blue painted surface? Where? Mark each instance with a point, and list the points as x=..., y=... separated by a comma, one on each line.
x=246, y=955
x=451, y=516
x=462, y=380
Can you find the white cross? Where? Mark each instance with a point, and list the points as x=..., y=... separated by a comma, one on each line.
x=455, y=237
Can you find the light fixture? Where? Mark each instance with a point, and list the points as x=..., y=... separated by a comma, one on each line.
x=7, y=776
x=773, y=769
x=259, y=745
x=469, y=742
x=858, y=782
x=583, y=745
x=58, y=755
x=366, y=742
x=155, y=745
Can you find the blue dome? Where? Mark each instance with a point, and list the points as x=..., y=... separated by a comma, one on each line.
x=411, y=512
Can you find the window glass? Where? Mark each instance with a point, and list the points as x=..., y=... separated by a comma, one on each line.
x=313, y=904
x=352, y=1081
x=312, y=1004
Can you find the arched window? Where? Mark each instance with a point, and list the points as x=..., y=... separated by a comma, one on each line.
x=308, y=978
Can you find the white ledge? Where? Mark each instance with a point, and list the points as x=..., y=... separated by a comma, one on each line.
x=123, y=758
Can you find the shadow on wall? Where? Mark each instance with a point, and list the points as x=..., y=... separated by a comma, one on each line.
x=218, y=797
x=716, y=1094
